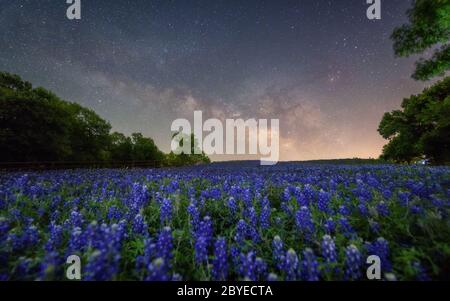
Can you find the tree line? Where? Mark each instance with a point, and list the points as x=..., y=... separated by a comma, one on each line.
x=38, y=126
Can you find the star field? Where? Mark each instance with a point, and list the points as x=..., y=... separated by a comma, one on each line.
x=321, y=67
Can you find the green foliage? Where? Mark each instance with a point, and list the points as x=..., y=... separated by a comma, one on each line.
x=194, y=156
x=421, y=129
x=429, y=26
x=436, y=66
x=145, y=149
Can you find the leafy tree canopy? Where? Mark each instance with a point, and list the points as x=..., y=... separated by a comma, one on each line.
x=421, y=129
x=429, y=27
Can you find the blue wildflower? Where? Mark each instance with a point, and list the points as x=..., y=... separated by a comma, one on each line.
x=353, y=262
x=380, y=248
x=382, y=209
x=166, y=211
x=291, y=265
x=309, y=266
x=328, y=249
x=165, y=245
x=278, y=252
x=139, y=225
x=220, y=262
x=304, y=222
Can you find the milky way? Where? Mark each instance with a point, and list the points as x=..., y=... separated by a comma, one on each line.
x=321, y=67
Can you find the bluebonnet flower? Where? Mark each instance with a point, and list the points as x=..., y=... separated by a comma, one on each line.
x=302, y=200
x=304, y=222
x=380, y=247
x=30, y=237
x=272, y=277
x=382, y=209
x=50, y=266
x=309, y=193
x=346, y=227
x=235, y=255
x=323, y=202
x=102, y=265
x=206, y=229
x=247, y=267
x=54, y=241
x=139, y=225
x=158, y=270
x=251, y=267
x=4, y=228
x=194, y=214
x=264, y=218
x=353, y=262
x=252, y=217
x=76, y=219
x=309, y=266
x=201, y=249
x=363, y=210
x=286, y=195
x=416, y=209
x=421, y=274
x=344, y=210
x=404, y=198
x=166, y=211
x=253, y=234
x=330, y=226
x=241, y=232
x=374, y=226
x=165, y=244
x=220, y=262
x=247, y=198
x=387, y=194
x=232, y=206
x=77, y=241
x=138, y=198
x=265, y=202
x=114, y=213
x=278, y=252
x=328, y=249
x=261, y=268
x=23, y=268
x=150, y=251
x=291, y=265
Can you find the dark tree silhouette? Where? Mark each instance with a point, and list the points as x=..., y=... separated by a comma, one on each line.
x=421, y=129
x=429, y=26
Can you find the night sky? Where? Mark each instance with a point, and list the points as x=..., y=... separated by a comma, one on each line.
x=321, y=67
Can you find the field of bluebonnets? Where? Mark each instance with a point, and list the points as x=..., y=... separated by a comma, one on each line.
x=227, y=222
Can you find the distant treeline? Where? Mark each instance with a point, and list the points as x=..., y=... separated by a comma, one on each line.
x=38, y=126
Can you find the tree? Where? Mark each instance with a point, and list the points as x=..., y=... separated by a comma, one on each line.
x=195, y=154
x=36, y=125
x=89, y=134
x=121, y=147
x=421, y=129
x=429, y=26
x=32, y=128
x=145, y=149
